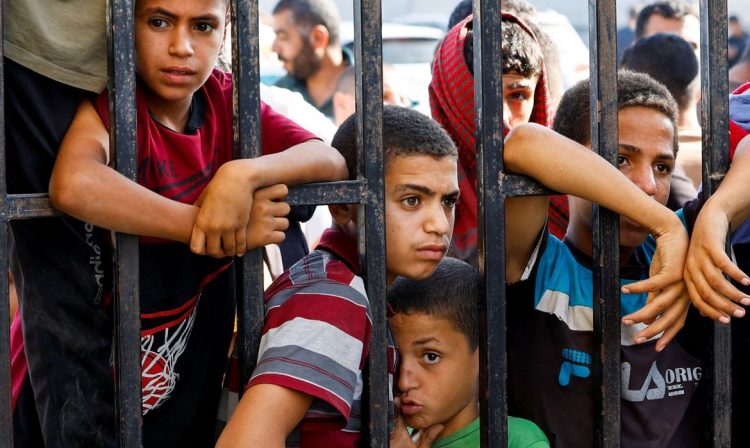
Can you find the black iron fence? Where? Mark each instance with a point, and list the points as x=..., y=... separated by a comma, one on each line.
x=368, y=191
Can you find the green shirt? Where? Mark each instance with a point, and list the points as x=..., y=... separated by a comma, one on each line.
x=521, y=434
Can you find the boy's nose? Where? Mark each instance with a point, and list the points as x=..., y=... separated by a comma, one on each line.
x=181, y=45
x=406, y=379
x=438, y=222
x=645, y=180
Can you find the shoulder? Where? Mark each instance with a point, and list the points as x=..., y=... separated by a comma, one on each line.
x=218, y=86
x=288, y=82
x=523, y=433
x=319, y=276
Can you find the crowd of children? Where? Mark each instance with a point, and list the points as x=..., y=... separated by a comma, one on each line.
x=195, y=209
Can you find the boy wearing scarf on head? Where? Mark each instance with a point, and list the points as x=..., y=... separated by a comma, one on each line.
x=525, y=99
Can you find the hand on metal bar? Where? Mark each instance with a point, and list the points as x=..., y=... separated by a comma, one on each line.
x=668, y=302
x=707, y=262
x=230, y=222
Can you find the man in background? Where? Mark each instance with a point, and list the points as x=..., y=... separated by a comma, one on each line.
x=307, y=42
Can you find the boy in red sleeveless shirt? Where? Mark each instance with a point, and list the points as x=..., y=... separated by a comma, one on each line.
x=189, y=190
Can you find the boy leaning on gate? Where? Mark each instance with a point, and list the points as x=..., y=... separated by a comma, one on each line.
x=306, y=389
x=191, y=199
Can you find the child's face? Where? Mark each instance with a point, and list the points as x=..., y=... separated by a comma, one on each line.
x=438, y=376
x=518, y=98
x=177, y=43
x=646, y=157
x=420, y=199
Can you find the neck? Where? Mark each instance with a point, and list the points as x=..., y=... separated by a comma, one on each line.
x=321, y=85
x=460, y=420
x=689, y=119
x=172, y=114
x=583, y=241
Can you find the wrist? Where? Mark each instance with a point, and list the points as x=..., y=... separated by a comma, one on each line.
x=669, y=223
x=243, y=172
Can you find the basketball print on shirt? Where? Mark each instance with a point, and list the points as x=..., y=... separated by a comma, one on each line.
x=161, y=348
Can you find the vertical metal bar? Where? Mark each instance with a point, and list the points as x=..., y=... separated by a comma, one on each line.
x=606, y=256
x=247, y=144
x=6, y=412
x=488, y=87
x=371, y=216
x=122, y=141
x=714, y=121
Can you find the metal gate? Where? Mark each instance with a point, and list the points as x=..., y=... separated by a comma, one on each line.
x=368, y=190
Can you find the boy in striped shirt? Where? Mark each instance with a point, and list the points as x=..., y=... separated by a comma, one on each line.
x=307, y=386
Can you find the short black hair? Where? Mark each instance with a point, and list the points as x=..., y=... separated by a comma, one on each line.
x=521, y=53
x=670, y=9
x=450, y=293
x=463, y=9
x=406, y=132
x=633, y=89
x=669, y=59
x=309, y=13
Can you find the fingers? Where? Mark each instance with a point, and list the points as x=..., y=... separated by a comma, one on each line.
x=672, y=331
x=670, y=322
x=710, y=303
x=721, y=286
x=722, y=261
x=198, y=241
x=241, y=242
x=213, y=246
x=656, y=305
x=228, y=245
x=276, y=192
x=654, y=283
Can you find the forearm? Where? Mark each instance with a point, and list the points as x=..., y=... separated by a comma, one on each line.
x=265, y=416
x=551, y=159
x=96, y=193
x=311, y=161
x=732, y=198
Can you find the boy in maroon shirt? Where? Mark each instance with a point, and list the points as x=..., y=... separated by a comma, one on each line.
x=189, y=190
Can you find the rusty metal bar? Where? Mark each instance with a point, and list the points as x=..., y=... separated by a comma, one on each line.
x=247, y=144
x=121, y=66
x=371, y=216
x=715, y=122
x=606, y=229
x=488, y=103
x=6, y=411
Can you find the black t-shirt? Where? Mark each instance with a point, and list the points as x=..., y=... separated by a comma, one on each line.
x=550, y=371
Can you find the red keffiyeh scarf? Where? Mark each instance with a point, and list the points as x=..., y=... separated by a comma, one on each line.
x=452, y=104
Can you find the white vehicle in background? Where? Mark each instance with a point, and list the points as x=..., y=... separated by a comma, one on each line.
x=574, y=54
x=409, y=50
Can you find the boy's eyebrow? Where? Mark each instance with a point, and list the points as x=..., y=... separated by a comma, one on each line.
x=637, y=150
x=424, y=190
x=171, y=15
x=417, y=187
x=523, y=84
x=425, y=341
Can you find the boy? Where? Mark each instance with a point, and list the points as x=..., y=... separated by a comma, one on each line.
x=525, y=99
x=435, y=328
x=551, y=323
x=306, y=388
x=188, y=191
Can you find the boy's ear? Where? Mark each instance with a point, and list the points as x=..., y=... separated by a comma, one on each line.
x=343, y=214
